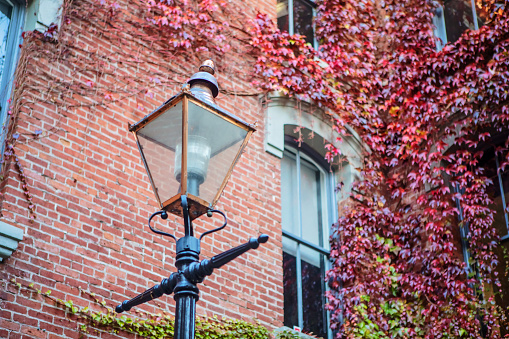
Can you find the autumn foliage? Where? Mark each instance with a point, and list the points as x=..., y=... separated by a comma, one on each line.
x=422, y=116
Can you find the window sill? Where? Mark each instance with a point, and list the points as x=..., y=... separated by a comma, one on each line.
x=10, y=236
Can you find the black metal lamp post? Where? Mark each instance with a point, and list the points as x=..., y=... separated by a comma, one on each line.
x=189, y=146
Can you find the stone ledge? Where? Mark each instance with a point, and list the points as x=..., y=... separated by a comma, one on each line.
x=10, y=236
x=42, y=13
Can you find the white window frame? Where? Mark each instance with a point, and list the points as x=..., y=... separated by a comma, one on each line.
x=11, y=59
x=440, y=29
x=327, y=184
x=291, y=28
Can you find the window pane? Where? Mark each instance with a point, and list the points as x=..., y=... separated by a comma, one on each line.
x=313, y=289
x=282, y=15
x=303, y=215
x=290, y=246
x=311, y=203
x=290, y=290
x=5, y=20
x=502, y=252
x=458, y=18
x=303, y=19
x=289, y=195
x=440, y=30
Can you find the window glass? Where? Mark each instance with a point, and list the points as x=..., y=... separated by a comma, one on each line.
x=5, y=20
x=310, y=199
x=461, y=15
x=458, y=18
x=439, y=28
x=499, y=194
x=11, y=17
x=282, y=15
x=504, y=177
x=289, y=195
x=303, y=19
x=291, y=316
x=313, y=290
x=494, y=192
x=502, y=292
x=481, y=14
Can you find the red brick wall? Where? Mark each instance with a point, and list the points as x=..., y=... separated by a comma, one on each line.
x=93, y=197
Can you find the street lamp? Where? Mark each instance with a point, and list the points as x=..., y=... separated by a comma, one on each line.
x=189, y=146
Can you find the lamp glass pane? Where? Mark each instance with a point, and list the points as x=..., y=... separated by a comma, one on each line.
x=158, y=140
x=213, y=144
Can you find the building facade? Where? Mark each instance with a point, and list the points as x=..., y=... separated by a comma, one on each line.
x=76, y=197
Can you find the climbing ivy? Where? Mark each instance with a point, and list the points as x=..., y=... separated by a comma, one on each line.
x=98, y=317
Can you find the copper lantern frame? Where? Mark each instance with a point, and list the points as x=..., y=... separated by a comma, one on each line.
x=197, y=205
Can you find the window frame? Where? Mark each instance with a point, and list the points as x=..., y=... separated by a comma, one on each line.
x=291, y=23
x=328, y=200
x=440, y=24
x=11, y=59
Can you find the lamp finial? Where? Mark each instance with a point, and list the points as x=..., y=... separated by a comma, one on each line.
x=203, y=83
x=208, y=66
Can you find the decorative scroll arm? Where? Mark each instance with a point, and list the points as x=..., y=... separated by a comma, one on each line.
x=164, y=216
x=209, y=213
x=165, y=287
x=196, y=272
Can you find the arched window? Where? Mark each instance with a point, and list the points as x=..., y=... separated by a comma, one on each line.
x=297, y=132
x=307, y=212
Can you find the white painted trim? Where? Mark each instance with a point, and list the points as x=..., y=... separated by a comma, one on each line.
x=439, y=29
x=42, y=13
x=10, y=236
x=283, y=111
x=11, y=60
